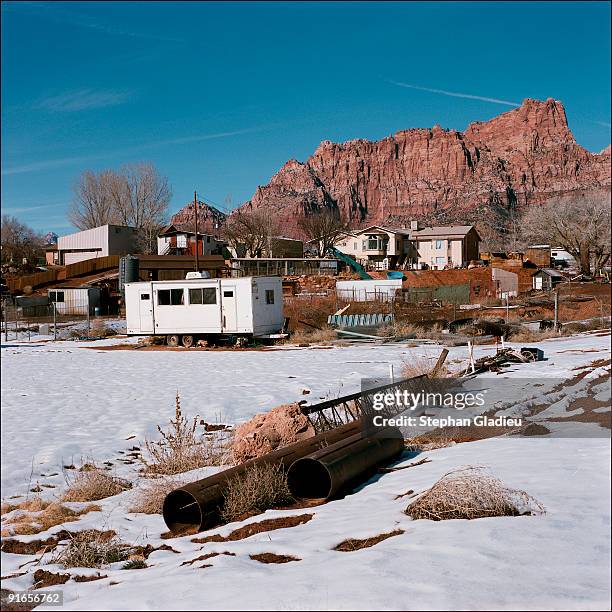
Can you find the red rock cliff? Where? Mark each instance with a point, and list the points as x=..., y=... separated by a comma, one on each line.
x=522, y=157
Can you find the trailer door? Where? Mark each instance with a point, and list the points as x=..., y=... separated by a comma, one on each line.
x=145, y=302
x=228, y=308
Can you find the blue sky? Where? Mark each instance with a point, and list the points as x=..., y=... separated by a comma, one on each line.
x=219, y=95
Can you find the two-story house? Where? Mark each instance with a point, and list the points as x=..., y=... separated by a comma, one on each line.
x=174, y=240
x=446, y=246
x=416, y=247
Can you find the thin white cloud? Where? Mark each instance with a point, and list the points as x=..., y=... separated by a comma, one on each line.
x=83, y=99
x=68, y=161
x=51, y=12
x=604, y=123
x=454, y=94
x=21, y=209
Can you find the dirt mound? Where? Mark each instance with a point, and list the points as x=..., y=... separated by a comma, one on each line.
x=266, y=432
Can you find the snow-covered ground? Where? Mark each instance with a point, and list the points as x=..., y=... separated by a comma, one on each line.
x=63, y=401
x=66, y=401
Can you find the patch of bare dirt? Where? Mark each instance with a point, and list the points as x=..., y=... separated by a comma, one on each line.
x=44, y=579
x=254, y=528
x=208, y=556
x=89, y=578
x=272, y=558
x=353, y=544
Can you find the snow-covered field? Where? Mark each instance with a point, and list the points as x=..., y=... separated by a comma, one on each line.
x=63, y=401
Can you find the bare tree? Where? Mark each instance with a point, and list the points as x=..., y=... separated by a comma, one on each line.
x=324, y=227
x=19, y=241
x=251, y=231
x=579, y=223
x=92, y=205
x=136, y=195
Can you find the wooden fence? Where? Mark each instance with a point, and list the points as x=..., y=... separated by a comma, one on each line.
x=18, y=284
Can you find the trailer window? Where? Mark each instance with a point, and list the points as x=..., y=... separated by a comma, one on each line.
x=203, y=295
x=228, y=294
x=269, y=296
x=144, y=296
x=56, y=296
x=170, y=297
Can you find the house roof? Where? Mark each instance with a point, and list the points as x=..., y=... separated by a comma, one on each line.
x=442, y=230
x=550, y=272
x=170, y=230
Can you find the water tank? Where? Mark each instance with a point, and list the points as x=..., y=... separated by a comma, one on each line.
x=129, y=271
x=191, y=275
x=395, y=275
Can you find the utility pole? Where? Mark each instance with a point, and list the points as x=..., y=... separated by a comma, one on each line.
x=195, y=204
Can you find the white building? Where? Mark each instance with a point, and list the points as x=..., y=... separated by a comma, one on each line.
x=197, y=308
x=94, y=243
x=75, y=300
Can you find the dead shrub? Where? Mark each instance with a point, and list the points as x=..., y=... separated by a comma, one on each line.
x=92, y=548
x=149, y=498
x=470, y=493
x=180, y=448
x=92, y=485
x=524, y=334
x=260, y=488
x=50, y=514
x=313, y=336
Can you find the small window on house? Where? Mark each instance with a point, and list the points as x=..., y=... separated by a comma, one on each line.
x=57, y=296
x=355, y=246
x=203, y=295
x=144, y=296
x=269, y=296
x=228, y=294
x=170, y=297
x=439, y=244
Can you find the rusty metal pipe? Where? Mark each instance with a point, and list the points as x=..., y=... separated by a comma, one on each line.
x=326, y=472
x=197, y=504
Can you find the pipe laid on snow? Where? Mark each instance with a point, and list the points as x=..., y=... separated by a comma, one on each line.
x=325, y=472
x=197, y=504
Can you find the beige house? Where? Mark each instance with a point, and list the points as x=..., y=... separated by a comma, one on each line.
x=443, y=247
x=384, y=248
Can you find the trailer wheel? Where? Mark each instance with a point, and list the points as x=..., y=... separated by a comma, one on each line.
x=187, y=341
x=172, y=340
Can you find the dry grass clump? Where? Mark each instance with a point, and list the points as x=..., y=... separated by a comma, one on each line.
x=92, y=548
x=153, y=340
x=524, y=334
x=39, y=515
x=149, y=498
x=469, y=493
x=404, y=329
x=181, y=448
x=260, y=488
x=313, y=336
x=94, y=484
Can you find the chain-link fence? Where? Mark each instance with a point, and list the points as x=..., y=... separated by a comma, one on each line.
x=59, y=315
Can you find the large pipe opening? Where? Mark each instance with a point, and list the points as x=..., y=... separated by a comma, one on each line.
x=181, y=511
x=309, y=479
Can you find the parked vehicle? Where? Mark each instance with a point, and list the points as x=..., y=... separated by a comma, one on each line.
x=200, y=308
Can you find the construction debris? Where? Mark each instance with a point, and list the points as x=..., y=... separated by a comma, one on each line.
x=268, y=431
x=503, y=357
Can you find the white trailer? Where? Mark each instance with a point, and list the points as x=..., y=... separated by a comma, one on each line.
x=189, y=310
